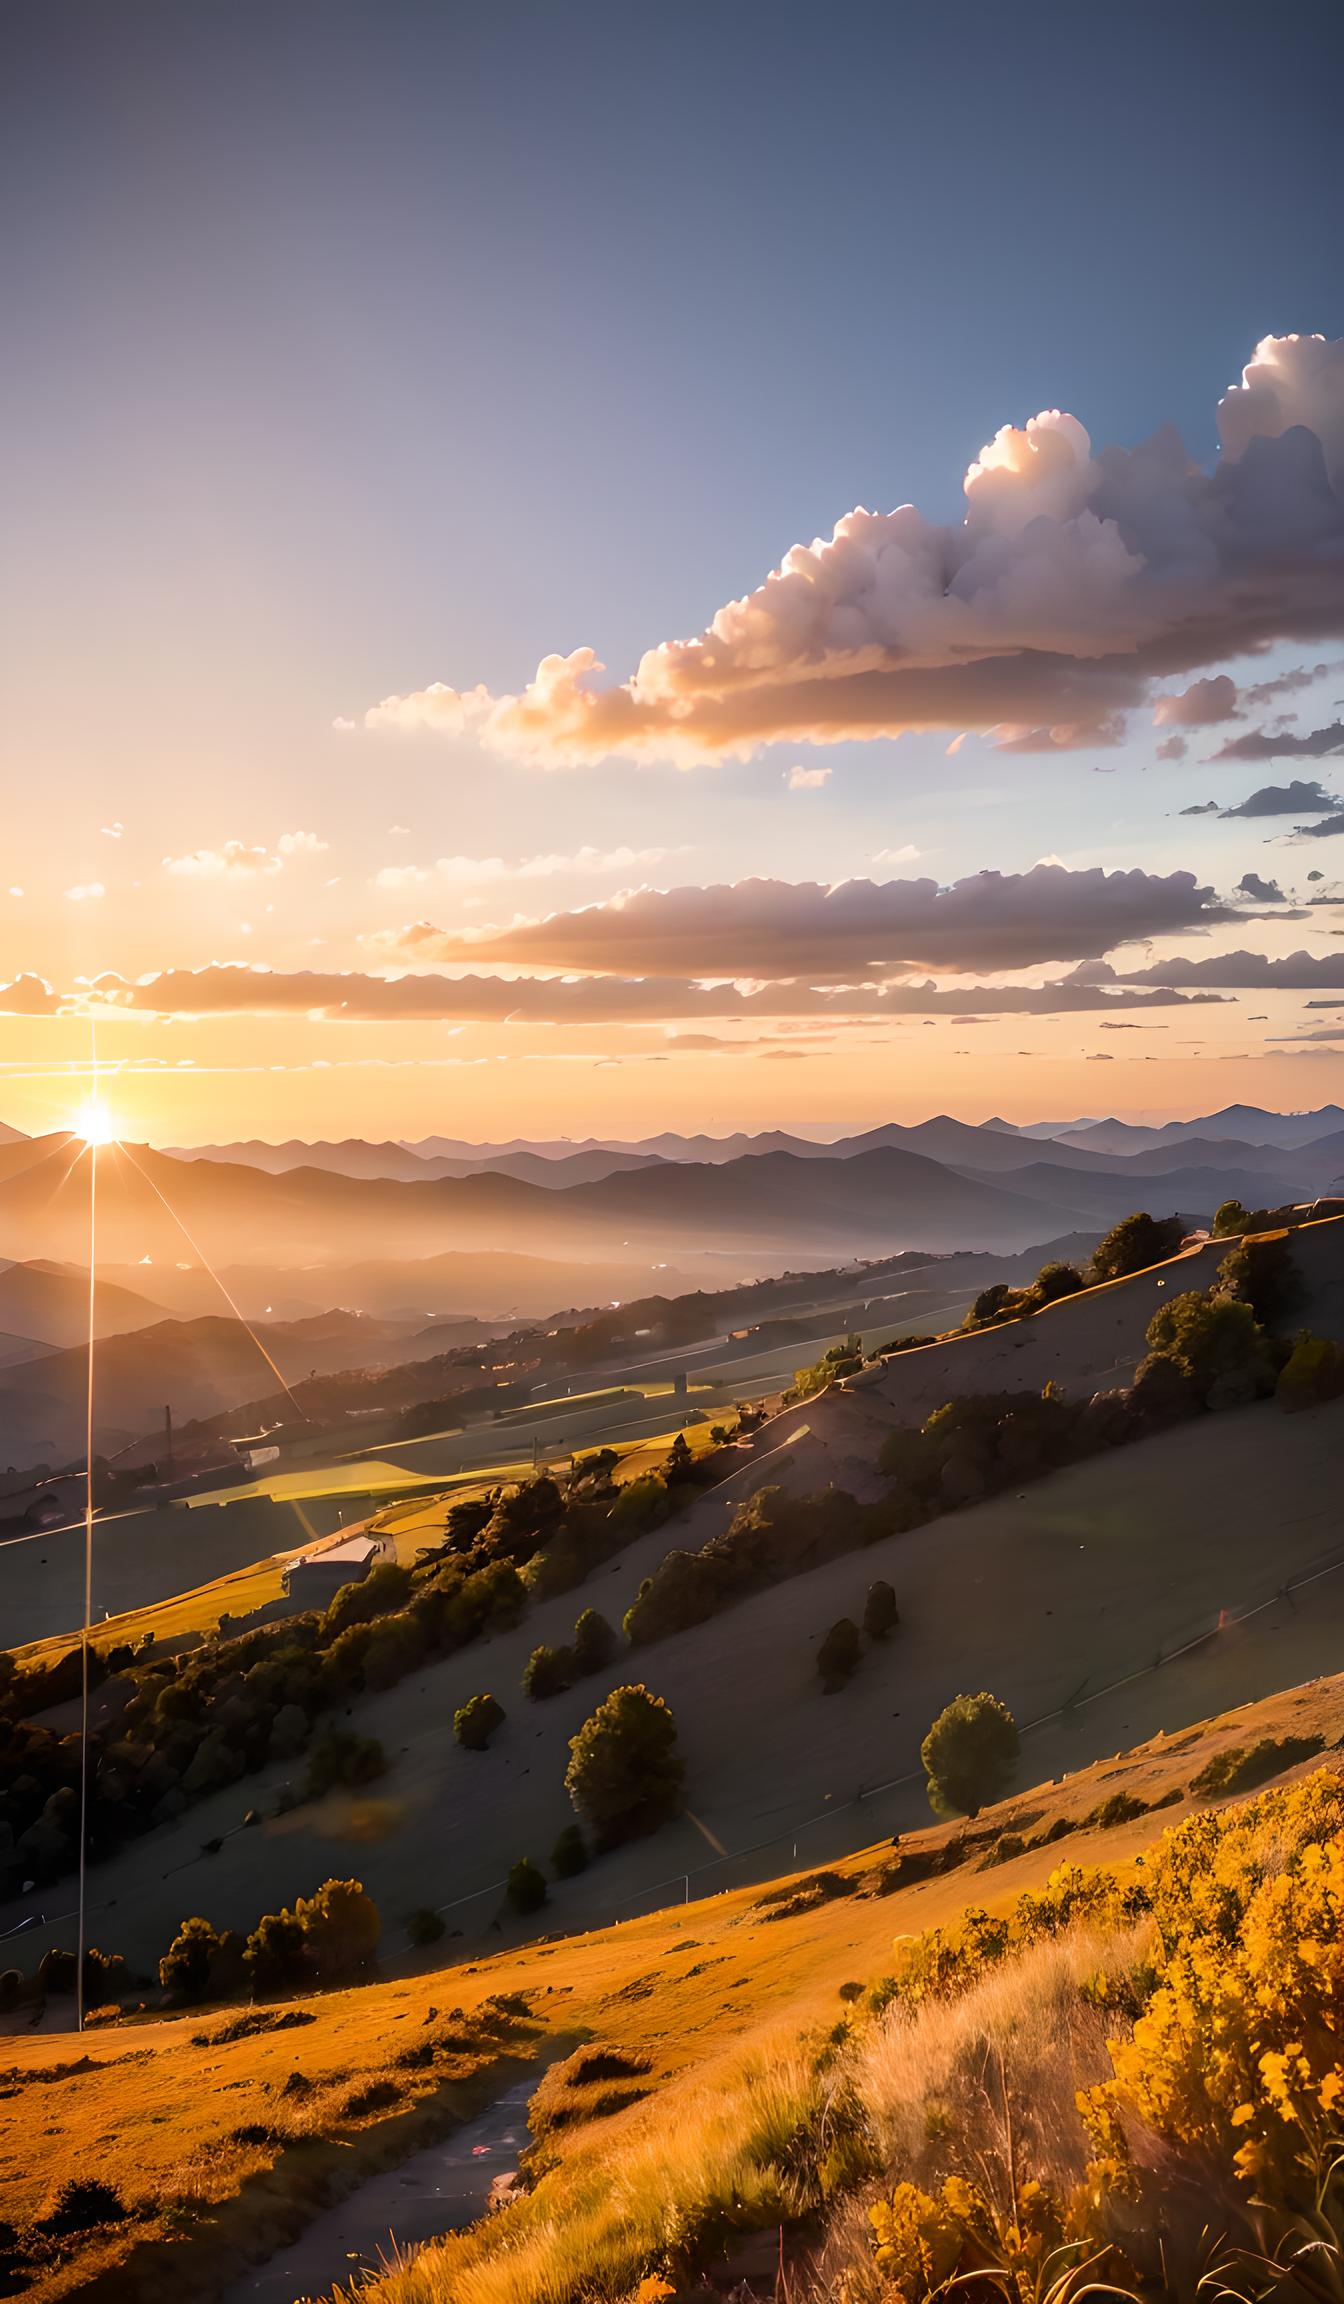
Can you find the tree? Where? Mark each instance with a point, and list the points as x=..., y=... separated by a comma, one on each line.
x=838, y=1654
x=425, y=1925
x=341, y=1928
x=344, y=1759
x=1231, y=1218
x=201, y=1963
x=526, y=1886
x=880, y=1613
x=625, y=1775
x=969, y=1755
x=548, y=1672
x=1261, y=1272
x=1312, y=1373
x=1217, y=1344
x=595, y=1644
x=1133, y=1244
x=1055, y=1281
x=475, y=1722
x=570, y=1854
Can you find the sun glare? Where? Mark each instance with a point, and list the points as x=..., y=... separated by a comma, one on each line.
x=95, y=1123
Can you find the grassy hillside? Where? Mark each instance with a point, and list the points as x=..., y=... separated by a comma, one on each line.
x=719, y=2009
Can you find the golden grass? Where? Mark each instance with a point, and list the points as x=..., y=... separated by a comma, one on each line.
x=701, y=1994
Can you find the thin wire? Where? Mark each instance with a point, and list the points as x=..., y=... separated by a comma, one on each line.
x=88, y=1568
x=197, y=1250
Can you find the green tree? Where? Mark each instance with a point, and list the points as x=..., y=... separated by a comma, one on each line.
x=880, y=1613
x=570, y=1853
x=1217, y=1344
x=1055, y=1281
x=839, y=1653
x=475, y=1722
x=526, y=1886
x=1261, y=1272
x=1231, y=1218
x=548, y=1672
x=202, y=1963
x=969, y=1755
x=595, y=1644
x=625, y=1775
x=341, y=1928
x=1133, y=1244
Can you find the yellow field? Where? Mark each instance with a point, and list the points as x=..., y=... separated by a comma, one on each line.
x=196, y=2135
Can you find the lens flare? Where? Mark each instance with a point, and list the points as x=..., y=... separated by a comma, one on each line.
x=95, y=1123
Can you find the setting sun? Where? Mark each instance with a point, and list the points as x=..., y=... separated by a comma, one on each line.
x=95, y=1123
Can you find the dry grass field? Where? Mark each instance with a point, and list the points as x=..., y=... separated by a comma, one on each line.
x=221, y=2155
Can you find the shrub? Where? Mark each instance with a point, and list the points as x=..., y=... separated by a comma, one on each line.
x=83, y=2205
x=969, y=1755
x=202, y=1964
x=526, y=1886
x=475, y=1722
x=548, y=1672
x=1133, y=1244
x=11, y=1989
x=344, y=1759
x=880, y=1612
x=838, y=1654
x=841, y=1360
x=570, y=1854
x=1312, y=1374
x=1242, y=1767
x=625, y=1775
x=1217, y=1344
x=425, y=1926
x=1261, y=1273
x=595, y=1642
x=771, y=1536
x=326, y=1939
x=1230, y=1219
x=385, y=1587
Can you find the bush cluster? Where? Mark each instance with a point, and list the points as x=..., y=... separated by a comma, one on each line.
x=771, y=1536
x=203, y=1721
x=549, y=1671
x=326, y=1939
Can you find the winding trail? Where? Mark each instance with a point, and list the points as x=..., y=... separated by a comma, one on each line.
x=438, y=2190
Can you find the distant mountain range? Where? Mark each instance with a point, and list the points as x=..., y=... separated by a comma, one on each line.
x=414, y=1245
x=561, y=1162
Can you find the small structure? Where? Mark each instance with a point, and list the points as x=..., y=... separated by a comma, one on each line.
x=317, y=1577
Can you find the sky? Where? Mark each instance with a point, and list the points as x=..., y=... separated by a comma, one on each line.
x=466, y=669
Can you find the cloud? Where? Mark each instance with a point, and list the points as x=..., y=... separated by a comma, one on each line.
x=1332, y=827
x=213, y=863
x=1260, y=891
x=583, y=863
x=231, y=988
x=776, y=928
x=807, y=779
x=1204, y=808
x=1266, y=744
x=87, y=892
x=113, y=831
x=1228, y=972
x=1293, y=799
x=909, y=854
x=1074, y=584
x=1200, y=706
x=29, y=996
x=1172, y=748
x=301, y=844
x=1289, y=683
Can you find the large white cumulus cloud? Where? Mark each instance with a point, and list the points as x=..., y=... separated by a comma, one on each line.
x=1076, y=580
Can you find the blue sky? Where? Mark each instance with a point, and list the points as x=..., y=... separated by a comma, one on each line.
x=355, y=347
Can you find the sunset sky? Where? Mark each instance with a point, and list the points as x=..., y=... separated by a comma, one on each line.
x=363, y=359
